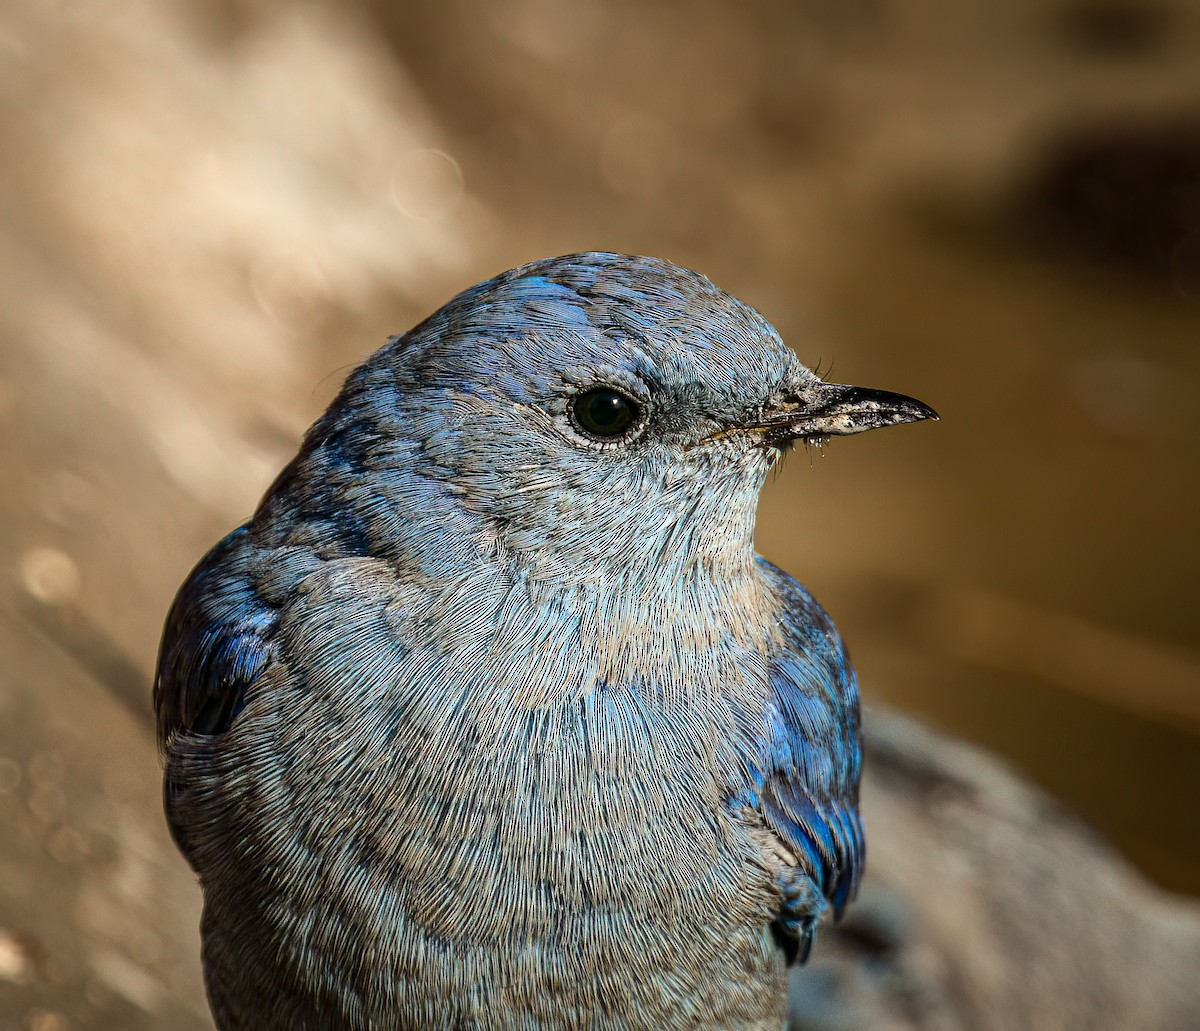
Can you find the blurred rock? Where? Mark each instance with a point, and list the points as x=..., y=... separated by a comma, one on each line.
x=1113, y=29
x=1122, y=192
x=98, y=915
x=987, y=905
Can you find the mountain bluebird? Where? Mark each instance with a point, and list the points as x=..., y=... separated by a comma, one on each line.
x=490, y=717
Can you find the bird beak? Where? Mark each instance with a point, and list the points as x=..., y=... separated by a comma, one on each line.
x=820, y=410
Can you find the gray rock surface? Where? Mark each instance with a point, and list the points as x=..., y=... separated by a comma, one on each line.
x=988, y=905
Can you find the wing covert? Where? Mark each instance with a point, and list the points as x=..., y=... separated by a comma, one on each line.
x=806, y=786
x=216, y=642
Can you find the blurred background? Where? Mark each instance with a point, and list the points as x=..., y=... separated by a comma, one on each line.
x=211, y=210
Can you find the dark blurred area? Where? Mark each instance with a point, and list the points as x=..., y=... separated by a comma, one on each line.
x=209, y=211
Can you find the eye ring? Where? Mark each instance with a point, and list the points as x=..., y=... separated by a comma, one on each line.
x=605, y=413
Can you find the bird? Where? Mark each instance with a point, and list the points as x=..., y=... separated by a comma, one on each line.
x=491, y=718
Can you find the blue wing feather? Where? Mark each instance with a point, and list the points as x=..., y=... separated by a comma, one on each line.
x=807, y=782
x=216, y=642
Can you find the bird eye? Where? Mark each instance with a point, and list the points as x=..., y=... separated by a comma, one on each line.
x=605, y=412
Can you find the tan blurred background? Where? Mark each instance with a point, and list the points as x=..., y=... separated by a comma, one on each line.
x=210, y=210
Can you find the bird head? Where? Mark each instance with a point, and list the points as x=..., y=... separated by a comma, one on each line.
x=588, y=415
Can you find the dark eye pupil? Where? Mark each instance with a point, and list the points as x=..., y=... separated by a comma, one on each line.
x=605, y=412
